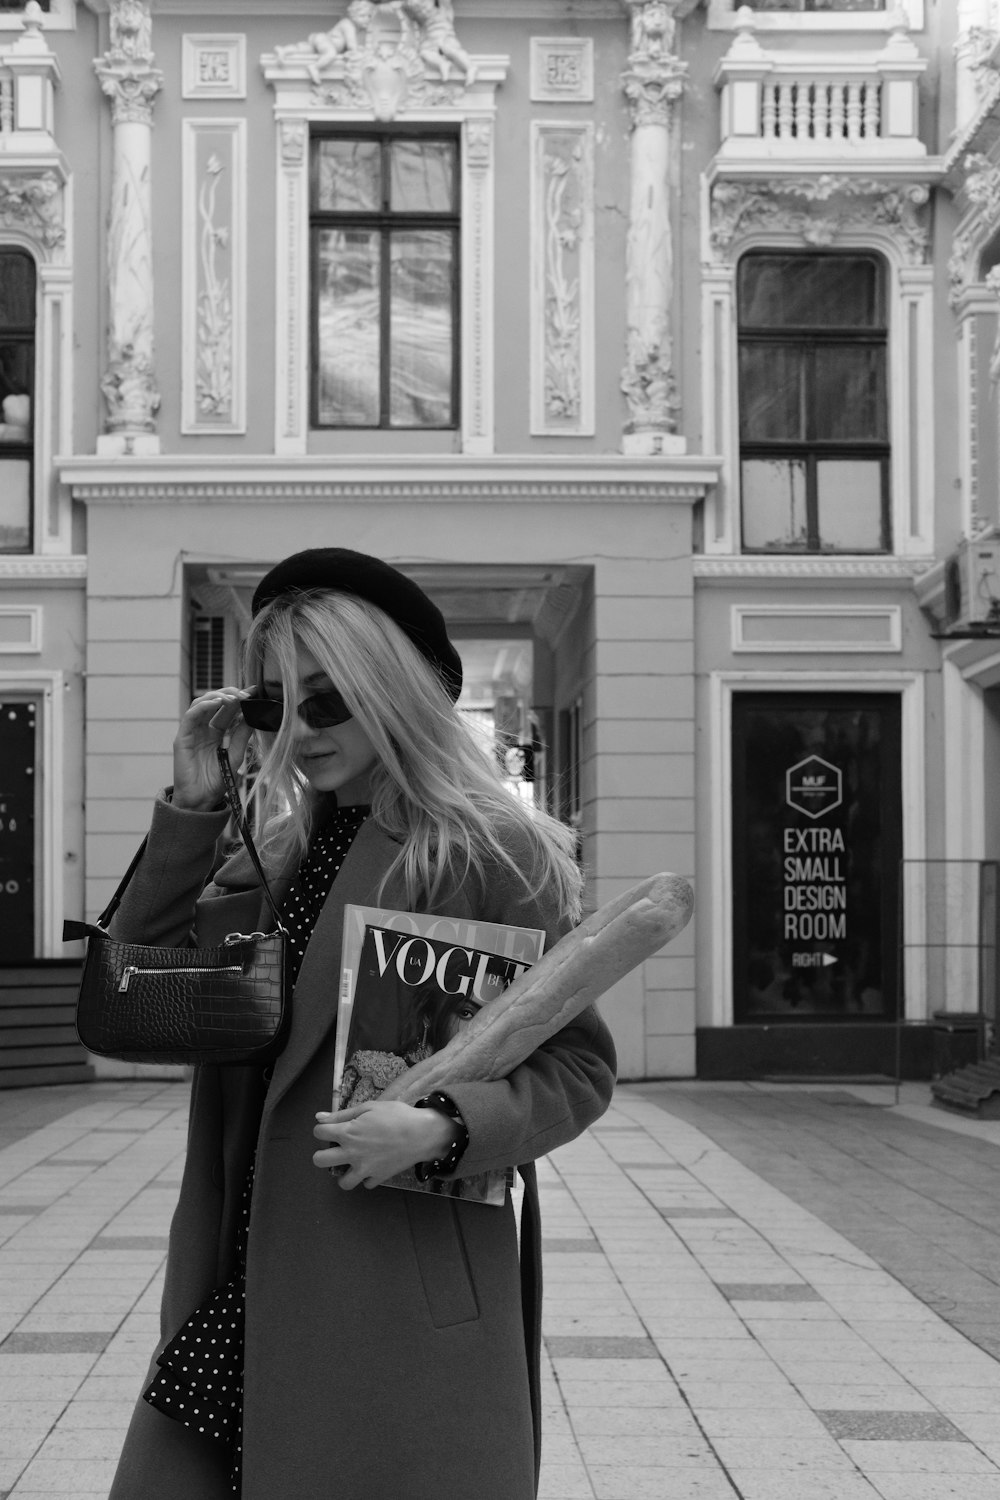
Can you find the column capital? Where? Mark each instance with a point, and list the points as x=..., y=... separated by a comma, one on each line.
x=130, y=89
x=654, y=80
x=653, y=90
x=126, y=70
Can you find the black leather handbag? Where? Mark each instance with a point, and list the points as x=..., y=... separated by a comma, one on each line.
x=227, y=1004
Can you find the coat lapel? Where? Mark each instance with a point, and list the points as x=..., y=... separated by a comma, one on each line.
x=314, y=1004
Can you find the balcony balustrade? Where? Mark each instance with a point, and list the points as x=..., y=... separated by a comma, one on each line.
x=818, y=107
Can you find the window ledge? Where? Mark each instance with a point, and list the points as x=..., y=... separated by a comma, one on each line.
x=37, y=566
x=840, y=569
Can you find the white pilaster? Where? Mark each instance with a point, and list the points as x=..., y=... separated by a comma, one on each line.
x=131, y=82
x=653, y=84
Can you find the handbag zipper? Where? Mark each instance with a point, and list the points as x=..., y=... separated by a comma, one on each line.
x=132, y=969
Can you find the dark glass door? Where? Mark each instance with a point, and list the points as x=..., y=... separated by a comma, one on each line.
x=17, y=832
x=817, y=841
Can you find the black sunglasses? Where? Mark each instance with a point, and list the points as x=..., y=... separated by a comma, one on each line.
x=319, y=710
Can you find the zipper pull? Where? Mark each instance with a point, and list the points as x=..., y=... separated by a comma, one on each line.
x=129, y=970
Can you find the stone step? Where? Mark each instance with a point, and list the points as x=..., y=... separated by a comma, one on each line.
x=974, y=1089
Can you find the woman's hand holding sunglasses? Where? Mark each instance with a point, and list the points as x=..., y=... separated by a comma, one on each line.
x=213, y=719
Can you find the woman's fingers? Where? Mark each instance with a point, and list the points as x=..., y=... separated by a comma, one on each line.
x=209, y=720
x=337, y=1160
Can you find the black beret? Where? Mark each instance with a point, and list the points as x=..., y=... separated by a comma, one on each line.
x=368, y=578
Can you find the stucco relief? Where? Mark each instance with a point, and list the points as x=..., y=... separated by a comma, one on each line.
x=34, y=206
x=975, y=48
x=974, y=178
x=981, y=187
x=562, y=279
x=215, y=311
x=387, y=55
x=818, y=210
x=992, y=282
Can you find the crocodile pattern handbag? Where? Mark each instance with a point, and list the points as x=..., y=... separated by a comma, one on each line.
x=226, y=1004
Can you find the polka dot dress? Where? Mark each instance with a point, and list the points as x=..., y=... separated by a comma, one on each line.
x=200, y=1380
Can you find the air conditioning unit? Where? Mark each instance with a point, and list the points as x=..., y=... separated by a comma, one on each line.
x=972, y=583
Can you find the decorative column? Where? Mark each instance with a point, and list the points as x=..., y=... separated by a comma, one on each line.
x=131, y=83
x=653, y=83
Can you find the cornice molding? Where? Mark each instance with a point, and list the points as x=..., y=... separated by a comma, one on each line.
x=600, y=480
x=522, y=10
x=837, y=569
x=36, y=567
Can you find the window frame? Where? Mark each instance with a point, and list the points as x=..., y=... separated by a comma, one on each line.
x=808, y=339
x=384, y=222
x=24, y=334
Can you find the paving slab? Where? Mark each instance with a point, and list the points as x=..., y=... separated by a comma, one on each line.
x=752, y=1292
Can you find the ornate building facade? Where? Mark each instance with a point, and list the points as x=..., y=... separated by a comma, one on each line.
x=656, y=338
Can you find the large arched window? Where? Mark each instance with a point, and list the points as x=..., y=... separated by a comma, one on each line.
x=17, y=378
x=814, y=426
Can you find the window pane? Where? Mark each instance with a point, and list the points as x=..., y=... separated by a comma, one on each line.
x=349, y=176
x=15, y=392
x=423, y=176
x=347, y=273
x=812, y=291
x=849, y=392
x=772, y=392
x=17, y=290
x=774, y=505
x=812, y=5
x=422, y=331
x=850, y=504
x=15, y=503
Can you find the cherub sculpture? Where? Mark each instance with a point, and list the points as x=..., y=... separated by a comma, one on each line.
x=345, y=37
x=439, y=46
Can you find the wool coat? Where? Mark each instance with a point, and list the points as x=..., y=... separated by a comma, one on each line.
x=392, y=1337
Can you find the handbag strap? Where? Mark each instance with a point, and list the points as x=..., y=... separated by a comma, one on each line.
x=243, y=827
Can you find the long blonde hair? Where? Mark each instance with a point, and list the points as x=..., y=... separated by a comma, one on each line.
x=436, y=790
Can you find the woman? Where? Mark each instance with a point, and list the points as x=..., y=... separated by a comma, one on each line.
x=318, y=1339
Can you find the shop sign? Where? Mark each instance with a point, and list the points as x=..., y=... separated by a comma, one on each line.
x=815, y=855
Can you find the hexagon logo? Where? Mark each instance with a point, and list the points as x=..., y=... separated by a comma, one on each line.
x=814, y=787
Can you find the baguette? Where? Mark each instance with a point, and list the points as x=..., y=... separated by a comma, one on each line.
x=572, y=975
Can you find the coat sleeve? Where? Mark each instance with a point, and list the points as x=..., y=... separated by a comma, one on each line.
x=550, y=1098
x=159, y=903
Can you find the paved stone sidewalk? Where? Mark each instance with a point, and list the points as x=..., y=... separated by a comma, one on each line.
x=719, y=1322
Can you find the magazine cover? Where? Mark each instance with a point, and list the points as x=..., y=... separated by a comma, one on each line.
x=408, y=983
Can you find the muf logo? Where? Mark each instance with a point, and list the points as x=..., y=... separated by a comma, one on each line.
x=814, y=787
